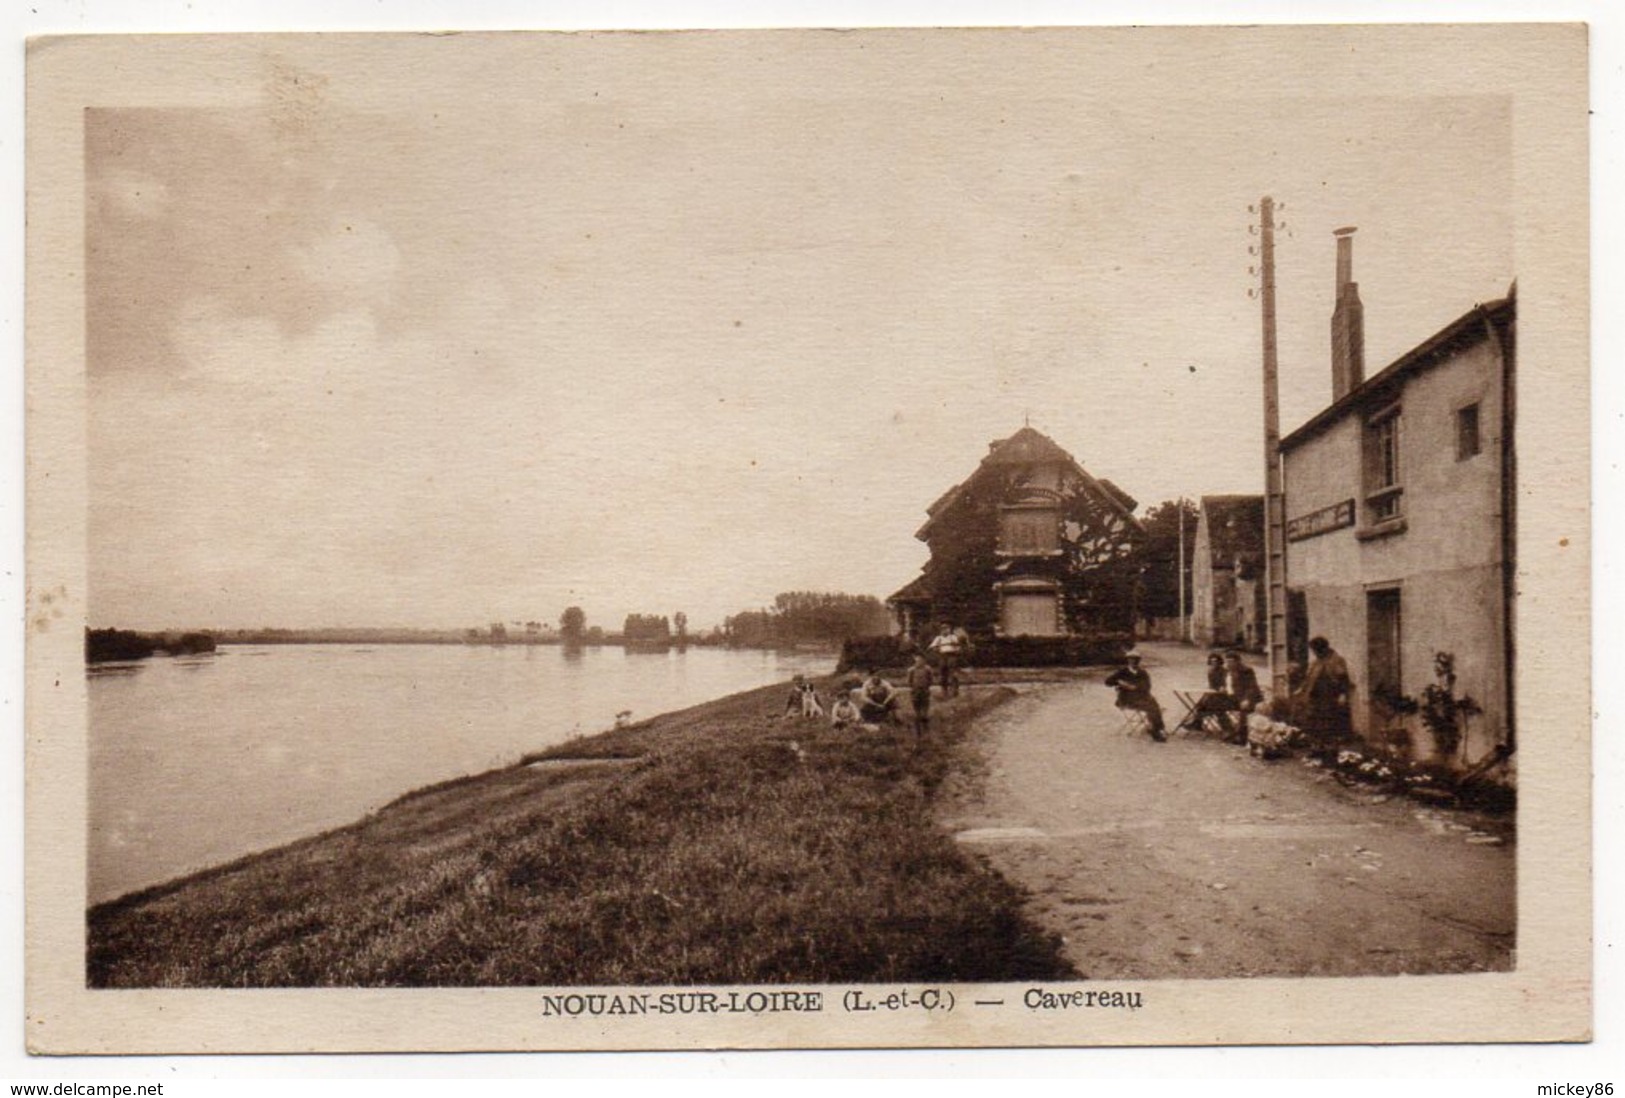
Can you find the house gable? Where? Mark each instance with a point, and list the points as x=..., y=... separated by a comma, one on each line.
x=1029, y=524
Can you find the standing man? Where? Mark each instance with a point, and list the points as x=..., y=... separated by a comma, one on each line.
x=1327, y=691
x=1134, y=694
x=947, y=646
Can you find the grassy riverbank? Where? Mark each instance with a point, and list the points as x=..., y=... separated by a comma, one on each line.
x=712, y=845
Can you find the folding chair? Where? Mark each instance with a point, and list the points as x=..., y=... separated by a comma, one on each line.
x=1190, y=700
x=1210, y=720
x=1135, y=723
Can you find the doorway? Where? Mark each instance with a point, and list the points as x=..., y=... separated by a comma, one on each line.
x=1383, y=636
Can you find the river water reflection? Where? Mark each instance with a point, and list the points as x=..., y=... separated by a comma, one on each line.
x=197, y=760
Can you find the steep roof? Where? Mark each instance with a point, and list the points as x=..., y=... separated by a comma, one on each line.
x=1464, y=330
x=1235, y=526
x=1026, y=447
x=918, y=589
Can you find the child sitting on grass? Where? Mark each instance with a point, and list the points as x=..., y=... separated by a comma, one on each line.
x=843, y=715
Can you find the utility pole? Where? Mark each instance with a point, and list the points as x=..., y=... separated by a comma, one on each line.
x=1274, y=503
x=1179, y=514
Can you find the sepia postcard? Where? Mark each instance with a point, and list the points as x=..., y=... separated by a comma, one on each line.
x=808, y=539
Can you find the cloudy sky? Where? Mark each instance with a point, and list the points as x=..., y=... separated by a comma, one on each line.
x=656, y=325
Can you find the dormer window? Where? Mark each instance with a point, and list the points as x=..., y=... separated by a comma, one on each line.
x=1029, y=531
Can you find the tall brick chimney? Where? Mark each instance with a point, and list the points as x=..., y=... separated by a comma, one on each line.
x=1348, y=321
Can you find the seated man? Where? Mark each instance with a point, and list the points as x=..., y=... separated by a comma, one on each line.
x=877, y=700
x=1233, y=693
x=1241, y=685
x=1133, y=685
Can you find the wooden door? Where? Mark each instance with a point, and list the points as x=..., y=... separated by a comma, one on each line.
x=1030, y=613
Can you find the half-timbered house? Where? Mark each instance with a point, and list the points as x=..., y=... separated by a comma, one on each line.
x=1030, y=544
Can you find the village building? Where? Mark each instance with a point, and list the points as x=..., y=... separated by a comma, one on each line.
x=1400, y=506
x=1227, y=573
x=1029, y=545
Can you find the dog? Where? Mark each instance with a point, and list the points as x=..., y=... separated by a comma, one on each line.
x=811, y=706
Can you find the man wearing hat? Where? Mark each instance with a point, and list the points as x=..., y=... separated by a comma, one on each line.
x=1133, y=684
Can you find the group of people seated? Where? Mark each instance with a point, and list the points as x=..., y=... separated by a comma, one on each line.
x=1318, y=700
x=871, y=700
x=1232, y=695
x=869, y=703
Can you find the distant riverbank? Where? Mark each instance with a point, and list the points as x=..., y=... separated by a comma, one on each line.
x=103, y=645
x=718, y=844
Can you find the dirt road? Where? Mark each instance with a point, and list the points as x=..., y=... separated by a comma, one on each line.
x=1191, y=859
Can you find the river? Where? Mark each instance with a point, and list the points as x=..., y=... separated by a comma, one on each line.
x=198, y=760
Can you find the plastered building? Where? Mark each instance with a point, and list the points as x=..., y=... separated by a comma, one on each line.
x=1400, y=509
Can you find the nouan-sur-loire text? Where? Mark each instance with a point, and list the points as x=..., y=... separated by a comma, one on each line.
x=596, y=1004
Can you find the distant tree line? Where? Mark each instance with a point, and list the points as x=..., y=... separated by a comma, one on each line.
x=806, y=617
x=108, y=645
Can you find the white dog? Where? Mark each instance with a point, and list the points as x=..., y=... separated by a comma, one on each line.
x=810, y=705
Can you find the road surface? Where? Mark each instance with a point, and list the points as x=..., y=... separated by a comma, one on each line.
x=1190, y=859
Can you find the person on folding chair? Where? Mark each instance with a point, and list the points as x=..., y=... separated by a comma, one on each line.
x=1213, y=703
x=1233, y=693
x=1133, y=685
x=1241, y=684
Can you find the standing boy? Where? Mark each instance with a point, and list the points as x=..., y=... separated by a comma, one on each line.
x=919, y=686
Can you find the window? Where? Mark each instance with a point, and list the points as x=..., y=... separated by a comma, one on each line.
x=1467, y=440
x=1029, y=530
x=1383, y=492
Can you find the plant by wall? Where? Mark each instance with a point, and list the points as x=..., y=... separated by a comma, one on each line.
x=1443, y=714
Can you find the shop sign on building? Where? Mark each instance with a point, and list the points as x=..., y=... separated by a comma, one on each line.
x=1323, y=521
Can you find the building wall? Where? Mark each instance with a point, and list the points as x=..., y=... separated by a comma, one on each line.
x=1446, y=561
x=1203, y=593
x=1251, y=613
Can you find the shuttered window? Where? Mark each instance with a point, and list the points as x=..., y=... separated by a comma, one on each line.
x=1029, y=530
